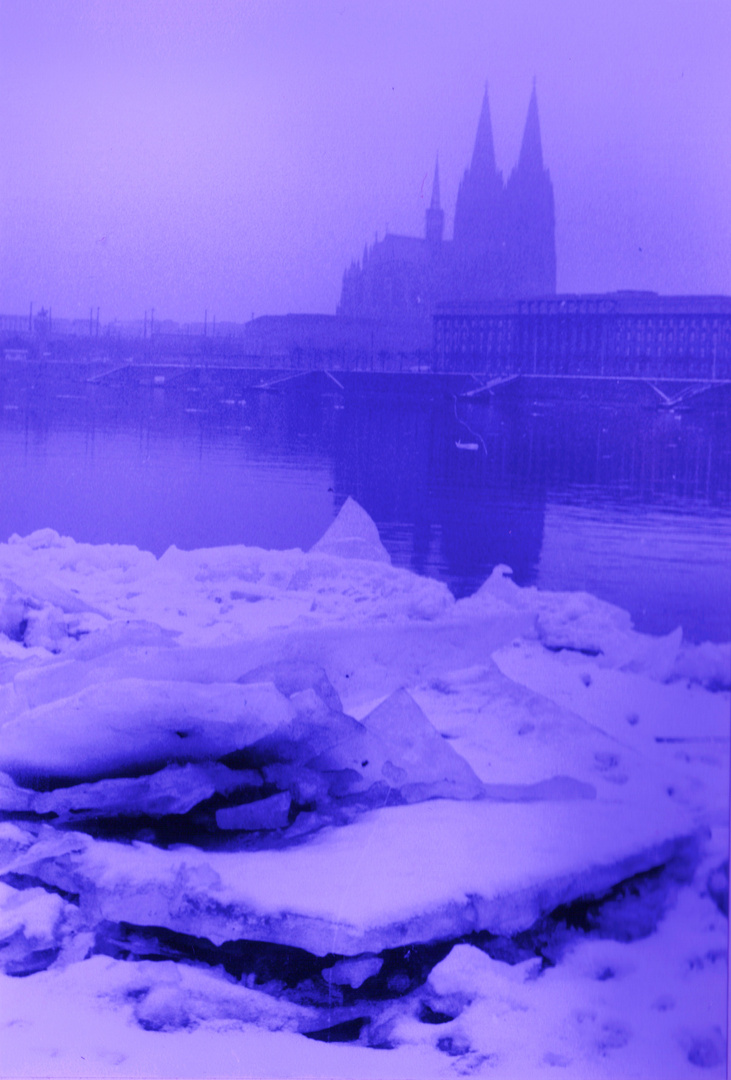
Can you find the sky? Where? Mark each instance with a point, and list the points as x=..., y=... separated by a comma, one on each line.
x=234, y=157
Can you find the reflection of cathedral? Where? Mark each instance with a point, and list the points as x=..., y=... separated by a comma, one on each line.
x=503, y=245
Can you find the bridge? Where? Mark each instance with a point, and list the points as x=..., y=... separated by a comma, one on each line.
x=680, y=346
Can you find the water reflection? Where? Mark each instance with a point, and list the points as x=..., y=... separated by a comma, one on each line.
x=459, y=511
x=625, y=500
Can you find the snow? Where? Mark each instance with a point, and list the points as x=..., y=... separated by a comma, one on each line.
x=486, y=836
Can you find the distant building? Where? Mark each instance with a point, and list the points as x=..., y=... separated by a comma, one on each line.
x=503, y=245
x=620, y=334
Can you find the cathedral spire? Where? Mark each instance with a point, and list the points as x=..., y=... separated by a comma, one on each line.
x=478, y=209
x=435, y=199
x=531, y=153
x=530, y=217
x=483, y=155
x=434, y=230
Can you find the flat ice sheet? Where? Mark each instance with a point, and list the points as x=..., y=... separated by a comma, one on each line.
x=410, y=873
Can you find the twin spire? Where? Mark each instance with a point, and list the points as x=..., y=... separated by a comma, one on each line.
x=531, y=152
x=482, y=182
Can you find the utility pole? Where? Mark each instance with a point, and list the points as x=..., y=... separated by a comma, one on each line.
x=91, y=320
x=152, y=319
x=144, y=325
x=97, y=322
x=30, y=319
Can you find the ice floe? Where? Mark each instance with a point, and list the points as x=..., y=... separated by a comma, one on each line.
x=307, y=812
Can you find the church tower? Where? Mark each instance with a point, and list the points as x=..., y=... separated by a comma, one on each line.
x=530, y=254
x=477, y=214
x=434, y=230
x=503, y=245
x=478, y=217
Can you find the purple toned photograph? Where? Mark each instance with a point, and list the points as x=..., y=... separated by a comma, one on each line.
x=365, y=539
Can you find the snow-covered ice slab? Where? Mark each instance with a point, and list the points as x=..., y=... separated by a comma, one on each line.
x=435, y=870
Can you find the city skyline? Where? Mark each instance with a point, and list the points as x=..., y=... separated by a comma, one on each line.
x=235, y=158
x=502, y=243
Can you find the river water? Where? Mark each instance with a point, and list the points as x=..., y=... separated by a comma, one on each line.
x=627, y=501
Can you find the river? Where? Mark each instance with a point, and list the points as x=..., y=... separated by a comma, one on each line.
x=623, y=499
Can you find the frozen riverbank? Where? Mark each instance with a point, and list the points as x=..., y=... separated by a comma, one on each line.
x=253, y=796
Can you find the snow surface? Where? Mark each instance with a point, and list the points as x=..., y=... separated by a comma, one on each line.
x=251, y=796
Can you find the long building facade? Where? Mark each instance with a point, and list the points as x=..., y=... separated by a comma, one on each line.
x=503, y=243
x=622, y=334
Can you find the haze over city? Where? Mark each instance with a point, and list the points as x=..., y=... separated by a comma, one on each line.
x=236, y=157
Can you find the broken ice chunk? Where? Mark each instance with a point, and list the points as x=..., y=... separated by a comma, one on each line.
x=306, y=785
x=394, y=754
x=271, y=813
x=13, y=797
x=31, y=928
x=419, y=760
x=174, y=790
x=352, y=535
x=292, y=676
x=353, y=972
x=131, y=726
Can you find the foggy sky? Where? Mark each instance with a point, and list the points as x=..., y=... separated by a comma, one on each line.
x=235, y=156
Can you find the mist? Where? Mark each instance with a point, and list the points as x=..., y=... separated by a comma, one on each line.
x=235, y=157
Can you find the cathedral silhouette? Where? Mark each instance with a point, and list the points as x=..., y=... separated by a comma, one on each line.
x=503, y=244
